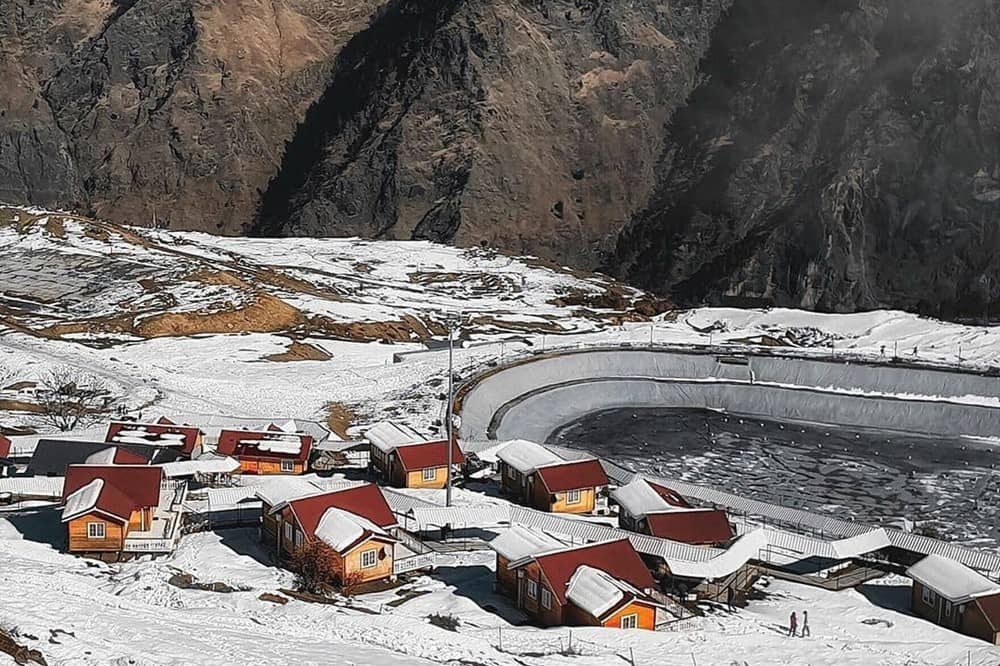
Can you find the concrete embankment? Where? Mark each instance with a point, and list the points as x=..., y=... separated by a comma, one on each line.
x=533, y=398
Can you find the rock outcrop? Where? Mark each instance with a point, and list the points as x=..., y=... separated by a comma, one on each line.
x=831, y=154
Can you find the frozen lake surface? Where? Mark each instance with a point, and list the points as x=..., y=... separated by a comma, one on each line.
x=950, y=488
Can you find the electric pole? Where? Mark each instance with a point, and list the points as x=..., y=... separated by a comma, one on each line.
x=452, y=326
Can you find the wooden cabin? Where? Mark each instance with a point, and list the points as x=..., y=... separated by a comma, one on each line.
x=102, y=504
x=536, y=477
x=952, y=595
x=401, y=457
x=355, y=523
x=640, y=497
x=602, y=584
x=187, y=440
x=267, y=451
x=516, y=544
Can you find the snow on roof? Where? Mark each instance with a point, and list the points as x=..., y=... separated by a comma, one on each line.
x=213, y=424
x=952, y=580
x=283, y=489
x=525, y=456
x=596, y=591
x=103, y=457
x=221, y=499
x=745, y=548
x=82, y=500
x=341, y=529
x=519, y=542
x=40, y=486
x=387, y=435
x=204, y=465
x=638, y=498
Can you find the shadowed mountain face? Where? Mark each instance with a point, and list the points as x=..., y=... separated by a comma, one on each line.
x=832, y=154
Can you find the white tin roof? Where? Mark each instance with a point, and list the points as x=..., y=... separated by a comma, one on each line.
x=526, y=457
x=952, y=580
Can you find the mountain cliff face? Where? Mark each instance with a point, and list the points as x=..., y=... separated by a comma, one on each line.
x=831, y=154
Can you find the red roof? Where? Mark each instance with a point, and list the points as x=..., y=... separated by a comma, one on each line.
x=163, y=420
x=573, y=475
x=189, y=433
x=126, y=457
x=240, y=444
x=127, y=488
x=366, y=501
x=672, y=497
x=616, y=558
x=4, y=447
x=701, y=526
x=415, y=457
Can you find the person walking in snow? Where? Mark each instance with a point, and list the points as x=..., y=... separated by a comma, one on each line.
x=793, y=624
x=805, y=624
x=730, y=596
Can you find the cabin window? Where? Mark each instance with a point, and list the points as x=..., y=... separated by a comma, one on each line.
x=95, y=531
x=546, y=598
x=630, y=621
x=288, y=534
x=287, y=465
x=573, y=497
x=430, y=474
x=298, y=539
x=927, y=596
x=947, y=609
x=532, y=589
x=369, y=559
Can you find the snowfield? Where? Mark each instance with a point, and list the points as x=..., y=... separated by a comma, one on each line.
x=81, y=275
x=129, y=614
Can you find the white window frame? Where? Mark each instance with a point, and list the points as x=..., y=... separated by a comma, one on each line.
x=430, y=473
x=532, y=589
x=369, y=558
x=574, y=496
x=298, y=538
x=94, y=533
x=287, y=465
x=288, y=535
x=546, y=598
x=630, y=621
x=927, y=595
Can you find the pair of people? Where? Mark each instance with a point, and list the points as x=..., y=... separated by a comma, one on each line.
x=793, y=625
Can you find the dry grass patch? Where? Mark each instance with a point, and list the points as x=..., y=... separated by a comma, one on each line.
x=284, y=281
x=301, y=351
x=218, y=278
x=339, y=418
x=7, y=405
x=55, y=227
x=408, y=329
x=266, y=314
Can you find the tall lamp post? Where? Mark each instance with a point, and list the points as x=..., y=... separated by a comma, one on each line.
x=452, y=329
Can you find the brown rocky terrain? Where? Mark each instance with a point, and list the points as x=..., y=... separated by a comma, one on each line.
x=831, y=154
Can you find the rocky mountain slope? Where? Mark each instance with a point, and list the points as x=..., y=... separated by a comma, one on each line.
x=833, y=154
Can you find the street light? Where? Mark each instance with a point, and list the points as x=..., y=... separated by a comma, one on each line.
x=453, y=327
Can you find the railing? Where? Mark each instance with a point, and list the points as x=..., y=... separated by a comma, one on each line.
x=133, y=545
x=408, y=564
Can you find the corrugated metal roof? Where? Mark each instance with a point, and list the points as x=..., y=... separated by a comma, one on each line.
x=402, y=504
x=985, y=561
x=39, y=486
x=479, y=515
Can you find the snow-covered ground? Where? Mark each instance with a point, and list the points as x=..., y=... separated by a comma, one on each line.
x=81, y=612
x=129, y=614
